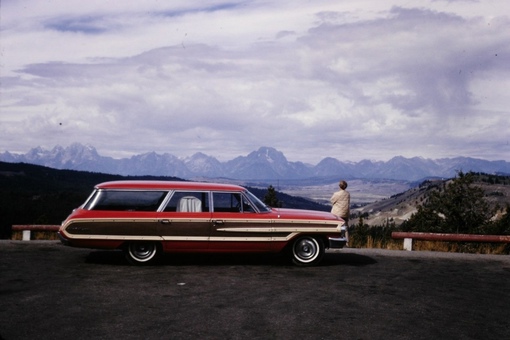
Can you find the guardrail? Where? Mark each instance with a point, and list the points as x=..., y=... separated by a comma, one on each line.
x=410, y=236
x=27, y=231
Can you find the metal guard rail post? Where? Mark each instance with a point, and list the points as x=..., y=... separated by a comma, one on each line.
x=409, y=236
x=27, y=229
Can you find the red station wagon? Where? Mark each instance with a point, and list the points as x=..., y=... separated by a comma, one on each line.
x=146, y=218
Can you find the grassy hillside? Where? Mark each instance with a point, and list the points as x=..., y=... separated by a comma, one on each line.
x=32, y=194
x=400, y=207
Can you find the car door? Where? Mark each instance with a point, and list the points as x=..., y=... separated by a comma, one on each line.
x=236, y=226
x=185, y=221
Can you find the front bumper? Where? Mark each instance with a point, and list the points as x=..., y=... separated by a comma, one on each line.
x=339, y=242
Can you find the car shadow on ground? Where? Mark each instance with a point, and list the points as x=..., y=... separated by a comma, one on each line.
x=112, y=257
x=347, y=259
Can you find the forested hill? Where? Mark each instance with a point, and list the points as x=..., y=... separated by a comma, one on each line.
x=400, y=207
x=33, y=194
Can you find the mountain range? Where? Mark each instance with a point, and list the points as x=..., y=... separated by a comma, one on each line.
x=264, y=164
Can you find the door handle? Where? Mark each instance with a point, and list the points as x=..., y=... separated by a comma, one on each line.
x=218, y=222
x=165, y=221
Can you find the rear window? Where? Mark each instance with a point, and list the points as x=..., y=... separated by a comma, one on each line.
x=125, y=200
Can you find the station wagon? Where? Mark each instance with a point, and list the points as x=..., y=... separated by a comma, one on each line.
x=147, y=218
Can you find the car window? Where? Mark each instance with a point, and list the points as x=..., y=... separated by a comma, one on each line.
x=125, y=200
x=188, y=201
x=231, y=202
x=257, y=202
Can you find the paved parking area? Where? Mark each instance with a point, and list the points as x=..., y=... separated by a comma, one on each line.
x=48, y=291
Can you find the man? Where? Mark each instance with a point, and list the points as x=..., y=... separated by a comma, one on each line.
x=341, y=201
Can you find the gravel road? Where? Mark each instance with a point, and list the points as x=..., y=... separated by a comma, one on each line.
x=48, y=291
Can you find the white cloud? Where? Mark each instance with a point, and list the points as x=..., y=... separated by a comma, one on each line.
x=360, y=79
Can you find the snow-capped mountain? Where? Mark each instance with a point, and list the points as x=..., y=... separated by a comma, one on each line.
x=202, y=165
x=264, y=164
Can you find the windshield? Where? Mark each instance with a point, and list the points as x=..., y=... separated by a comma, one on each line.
x=258, y=203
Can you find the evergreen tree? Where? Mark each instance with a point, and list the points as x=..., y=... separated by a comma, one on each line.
x=270, y=198
x=460, y=207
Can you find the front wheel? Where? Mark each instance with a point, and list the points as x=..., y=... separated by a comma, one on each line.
x=307, y=251
x=141, y=253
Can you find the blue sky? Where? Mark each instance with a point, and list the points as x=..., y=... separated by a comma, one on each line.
x=351, y=80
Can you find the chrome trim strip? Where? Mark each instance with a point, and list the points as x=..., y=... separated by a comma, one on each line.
x=112, y=237
x=180, y=238
x=205, y=219
x=278, y=230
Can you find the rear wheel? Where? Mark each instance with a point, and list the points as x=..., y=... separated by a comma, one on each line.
x=307, y=251
x=142, y=252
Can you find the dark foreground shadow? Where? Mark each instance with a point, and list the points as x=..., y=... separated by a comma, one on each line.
x=116, y=258
x=108, y=257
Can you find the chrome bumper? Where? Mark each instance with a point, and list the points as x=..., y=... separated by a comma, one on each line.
x=339, y=242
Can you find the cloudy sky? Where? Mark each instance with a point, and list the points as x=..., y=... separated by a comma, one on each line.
x=353, y=79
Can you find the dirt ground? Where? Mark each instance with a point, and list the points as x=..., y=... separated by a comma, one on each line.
x=49, y=291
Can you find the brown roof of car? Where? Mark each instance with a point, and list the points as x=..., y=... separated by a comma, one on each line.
x=168, y=185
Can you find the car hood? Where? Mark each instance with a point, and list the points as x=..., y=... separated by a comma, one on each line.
x=305, y=214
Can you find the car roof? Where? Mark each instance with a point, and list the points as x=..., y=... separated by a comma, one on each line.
x=168, y=185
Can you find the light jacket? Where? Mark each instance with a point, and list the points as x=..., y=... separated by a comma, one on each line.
x=341, y=201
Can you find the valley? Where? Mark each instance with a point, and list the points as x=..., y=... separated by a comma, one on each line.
x=362, y=191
